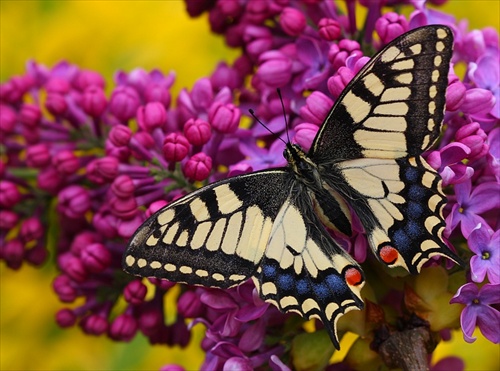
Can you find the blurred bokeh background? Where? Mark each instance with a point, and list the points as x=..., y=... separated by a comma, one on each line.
x=106, y=36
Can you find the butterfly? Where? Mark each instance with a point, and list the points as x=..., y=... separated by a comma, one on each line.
x=269, y=225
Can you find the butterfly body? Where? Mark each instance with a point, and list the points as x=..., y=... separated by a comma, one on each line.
x=366, y=158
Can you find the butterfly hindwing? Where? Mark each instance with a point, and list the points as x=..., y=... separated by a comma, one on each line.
x=215, y=236
x=305, y=271
x=394, y=107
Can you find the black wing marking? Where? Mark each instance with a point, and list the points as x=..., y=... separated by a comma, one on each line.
x=394, y=107
x=215, y=236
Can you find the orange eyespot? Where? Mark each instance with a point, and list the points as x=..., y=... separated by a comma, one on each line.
x=388, y=254
x=353, y=276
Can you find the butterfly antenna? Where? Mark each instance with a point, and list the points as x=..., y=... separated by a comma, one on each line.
x=260, y=122
x=284, y=114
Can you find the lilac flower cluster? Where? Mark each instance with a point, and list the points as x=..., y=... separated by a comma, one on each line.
x=80, y=171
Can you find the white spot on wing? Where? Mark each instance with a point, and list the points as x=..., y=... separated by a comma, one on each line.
x=227, y=201
x=373, y=84
x=200, y=235
x=130, y=260
x=403, y=65
x=396, y=94
x=215, y=239
x=357, y=107
x=165, y=216
x=392, y=109
x=389, y=123
x=390, y=54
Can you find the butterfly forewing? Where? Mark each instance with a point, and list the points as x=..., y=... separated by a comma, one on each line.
x=394, y=107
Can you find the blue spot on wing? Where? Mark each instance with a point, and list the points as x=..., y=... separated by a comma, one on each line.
x=416, y=193
x=302, y=287
x=411, y=174
x=415, y=210
x=285, y=281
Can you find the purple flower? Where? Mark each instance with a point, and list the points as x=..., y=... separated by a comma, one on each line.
x=485, y=74
x=448, y=162
x=472, y=202
x=486, y=245
x=478, y=311
x=390, y=26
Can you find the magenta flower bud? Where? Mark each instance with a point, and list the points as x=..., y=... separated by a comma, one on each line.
x=478, y=101
x=123, y=328
x=57, y=85
x=74, y=268
x=14, y=89
x=224, y=118
x=189, y=305
x=94, y=101
x=83, y=239
x=94, y=324
x=339, y=81
x=275, y=69
x=329, y=29
x=338, y=53
x=105, y=224
x=157, y=93
x=66, y=318
x=150, y=320
x=135, y=292
x=225, y=76
x=390, y=26
x=161, y=284
x=9, y=194
x=258, y=40
x=64, y=288
x=455, y=94
x=107, y=167
x=96, y=257
x=30, y=115
x=86, y=79
x=305, y=134
x=13, y=253
x=123, y=186
x=316, y=108
x=38, y=155
x=151, y=116
x=37, y=255
x=7, y=119
x=198, y=167
x=123, y=208
x=56, y=104
x=124, y=103
x=155, y=206
x=292, y=21
x=74, y=201
x=230, y=8
x=8, y=219
x=49, y=180
x=175, y=147
x=120, y=135
x=197, y=132
x=31, y=229
x=65, y=162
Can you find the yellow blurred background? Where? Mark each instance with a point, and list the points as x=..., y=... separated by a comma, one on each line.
x=105, y=36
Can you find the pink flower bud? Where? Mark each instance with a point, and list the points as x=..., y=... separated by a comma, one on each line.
x=94, y=324
x=197, y=132
x=316, y=108
x=56, y=104
x=94, y=101
x=151, y=116
x=107, y=167
x=7, y=119
x=123, y=186
x=13, y=253
x=124, y=103
x=66, y=163
x=31, y=230
x=135, y=292
x=8, y=219
x=123, y=208
x=86, y=79
x=9, y=194
x=157, y=93
x=49, y=180
x=455, y=95
x=74, y=268
x=57, y=85
x=275, y=69
x=123, y=328
x=390, y=26
x=30, y=115
x=305, y=134
x=66, y=318
x=338, y=53
x=329, y=29
x=175, y=147
x=224, y=118
x=198, y=167
x=64, y=288
x=292, y=21
x=338, y=82
x=74, y=201
x=95, y=257
x=478, y=101
x=120, y=135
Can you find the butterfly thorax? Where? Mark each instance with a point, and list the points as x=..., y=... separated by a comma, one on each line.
x=305, y=170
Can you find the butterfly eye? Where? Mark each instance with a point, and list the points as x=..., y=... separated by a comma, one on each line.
x=353, y=276
x=388, y=254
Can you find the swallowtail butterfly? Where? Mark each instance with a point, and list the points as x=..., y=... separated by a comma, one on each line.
x=270, y=225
